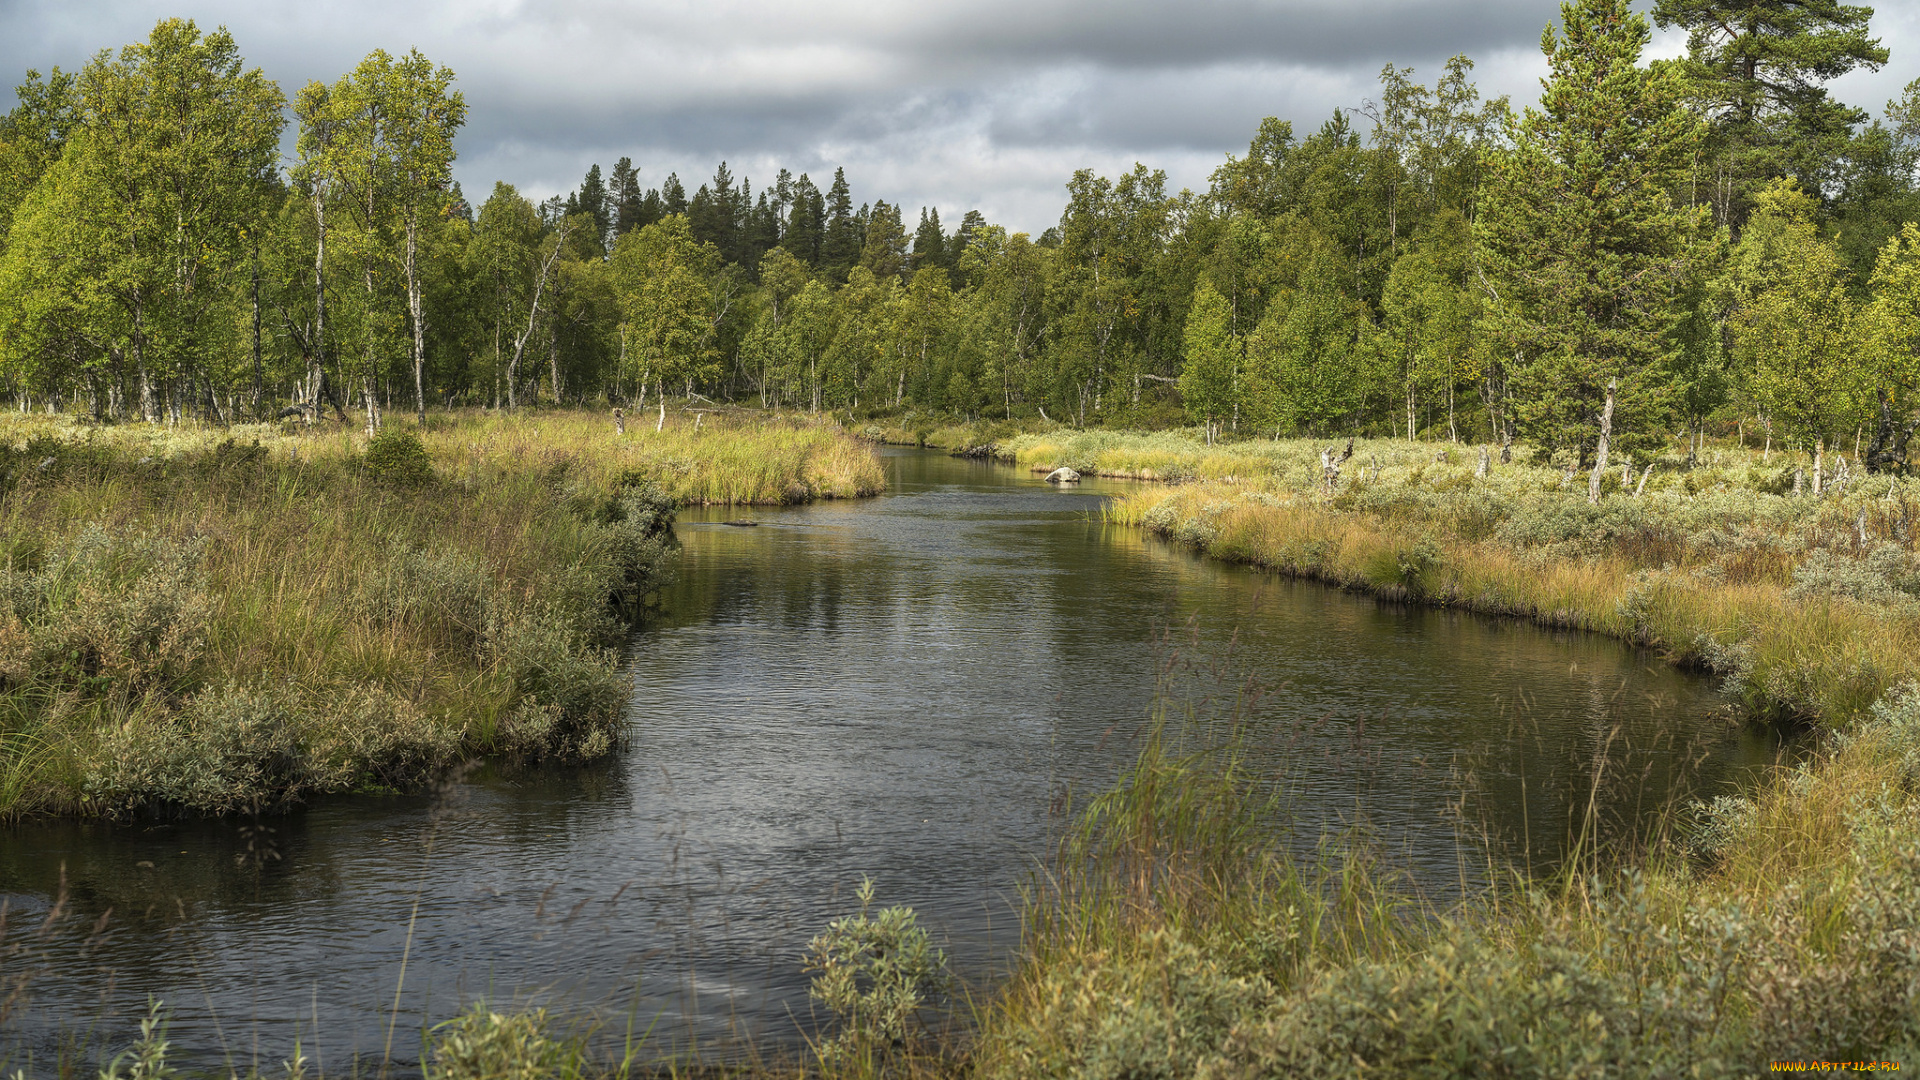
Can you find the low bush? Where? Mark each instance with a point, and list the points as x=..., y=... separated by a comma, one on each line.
x=397, y=457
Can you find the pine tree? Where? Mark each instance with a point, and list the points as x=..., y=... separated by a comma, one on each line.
x=673, y=196
x=1584, y=252
x=1757, y=69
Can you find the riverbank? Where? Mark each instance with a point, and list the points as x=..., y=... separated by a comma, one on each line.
x=1773, y=927
x=1808, y=607
x=213, y=621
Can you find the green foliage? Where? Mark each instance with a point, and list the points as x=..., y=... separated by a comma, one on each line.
x=147, y=1058
x=1757, y=69
x=1586, y=253
x=874, y=973
x=398, y=458
x=480, y=1044
x=661, y=275
x=1210, y=376
x=1795, y=329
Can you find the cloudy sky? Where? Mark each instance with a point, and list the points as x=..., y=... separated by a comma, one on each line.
x=948, y=103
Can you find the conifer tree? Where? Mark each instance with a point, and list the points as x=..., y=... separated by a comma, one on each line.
x=929, y=242
x=624, y=197
x=673, y=196
x=841, y=239
x=592, y=200
x=1583, y=251
x=1757, y=70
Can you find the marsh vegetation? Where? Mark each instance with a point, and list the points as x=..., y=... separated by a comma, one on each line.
x=218, y=620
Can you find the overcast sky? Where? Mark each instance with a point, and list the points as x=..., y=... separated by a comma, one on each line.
x=956, y=104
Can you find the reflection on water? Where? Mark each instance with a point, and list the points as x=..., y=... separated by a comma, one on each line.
x=899, y=688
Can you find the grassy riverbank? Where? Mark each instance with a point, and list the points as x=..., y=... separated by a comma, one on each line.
x=1809, y=607
x=1172, y=935
x=219, y=620
x=1777, y=927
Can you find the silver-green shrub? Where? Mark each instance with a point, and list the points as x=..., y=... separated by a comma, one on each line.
x=873, y=972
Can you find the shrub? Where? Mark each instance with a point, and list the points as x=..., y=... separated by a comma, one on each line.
x=549, y=668
x=873, y=973
x=396, y=457
x=232, y=749
x=110, y=613
x=483, y=1045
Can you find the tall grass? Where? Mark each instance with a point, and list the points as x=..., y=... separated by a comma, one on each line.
x=219, y=620
x=1175, y=937
x=1810, y=607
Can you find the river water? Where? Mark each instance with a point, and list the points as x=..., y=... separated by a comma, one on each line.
x=906, y=689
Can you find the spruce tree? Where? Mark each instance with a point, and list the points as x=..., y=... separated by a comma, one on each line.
x=592, y=201
x=1584, y=253
x=806, y=222
x=929, y=242
x=625, y=197
x=840, y=246
x=885, y=249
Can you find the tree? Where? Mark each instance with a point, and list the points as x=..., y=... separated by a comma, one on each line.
x=1429, y=312
x=673, y=196
x=661, y=276
x=806, y=222
x=1794, y=325
x=1583, y=250
x=1110, y=233
x=1893, y=329
x=885, y=249
x=1756, y=69
x=422, y=116
x=1004, y=314
x=625, y=201
x=593, y=200
x=841, y=238
x=33, y=135
x=929, y=242
x=173, y=163
x=1209, y=379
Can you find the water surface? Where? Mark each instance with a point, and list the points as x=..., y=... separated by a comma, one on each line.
x=904, y=689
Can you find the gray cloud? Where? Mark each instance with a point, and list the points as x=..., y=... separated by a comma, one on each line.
x=951, y=103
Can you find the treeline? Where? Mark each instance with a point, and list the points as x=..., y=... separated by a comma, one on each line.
x=1652, y=248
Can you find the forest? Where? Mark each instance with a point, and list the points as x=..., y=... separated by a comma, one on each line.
x=1716, y=237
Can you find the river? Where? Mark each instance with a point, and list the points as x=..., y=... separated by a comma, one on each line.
x=908, y=689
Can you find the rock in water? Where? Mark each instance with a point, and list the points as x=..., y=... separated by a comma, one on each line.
x=1063, y=475
x=741, y=523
